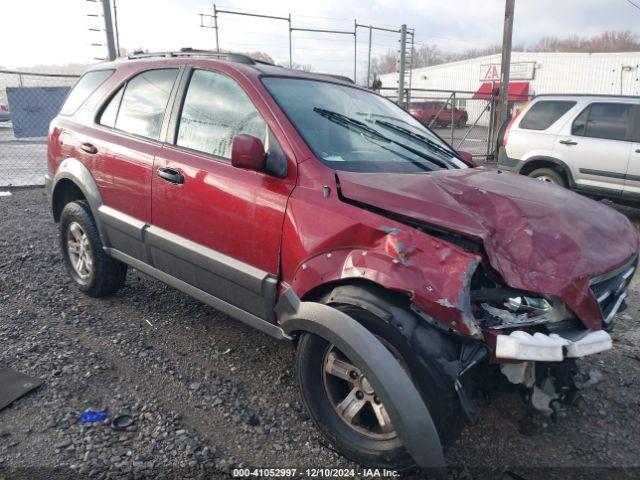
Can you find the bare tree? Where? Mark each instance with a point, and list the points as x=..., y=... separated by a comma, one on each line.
x=262, y=56
x=610, y=41
x=385, y=63
x=425, y=55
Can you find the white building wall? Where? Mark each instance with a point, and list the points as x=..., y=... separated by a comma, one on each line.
x=597, y=73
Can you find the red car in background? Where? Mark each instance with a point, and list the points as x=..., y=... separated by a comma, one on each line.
x=439, y=113
x=4, y=112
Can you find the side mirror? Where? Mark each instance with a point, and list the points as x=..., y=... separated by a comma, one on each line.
x=467, y=158
x=247, y=152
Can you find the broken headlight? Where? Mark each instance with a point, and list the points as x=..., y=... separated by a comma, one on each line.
x=520, y=311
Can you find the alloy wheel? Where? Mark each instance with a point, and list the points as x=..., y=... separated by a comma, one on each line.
x=79, y=251
x=353, y=398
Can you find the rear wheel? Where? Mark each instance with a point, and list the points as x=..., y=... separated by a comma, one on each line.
x=93, y=271
x=347, y=410
x=548, y=175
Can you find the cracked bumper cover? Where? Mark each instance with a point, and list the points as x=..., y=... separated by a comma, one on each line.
x=520, y=345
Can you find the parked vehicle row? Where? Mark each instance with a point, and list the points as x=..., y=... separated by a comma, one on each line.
x=324, y=215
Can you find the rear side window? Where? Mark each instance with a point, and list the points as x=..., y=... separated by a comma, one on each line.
x=604, y=120
x=543, y=114
x=87, y=84
x=142, y=104
x=109, y=114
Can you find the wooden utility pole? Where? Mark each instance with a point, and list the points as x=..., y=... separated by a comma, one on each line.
x=108, y=28
x=505, y=66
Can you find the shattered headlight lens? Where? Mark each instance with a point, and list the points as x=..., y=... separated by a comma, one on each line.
x=519, y=311
x=528, y=305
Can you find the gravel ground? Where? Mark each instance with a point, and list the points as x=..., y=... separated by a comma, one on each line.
x=209, y=394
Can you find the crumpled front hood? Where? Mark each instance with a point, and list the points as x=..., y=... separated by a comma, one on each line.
x=535, y=234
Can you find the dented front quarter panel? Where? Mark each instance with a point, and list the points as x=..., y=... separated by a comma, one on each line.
x=538, y=237
x=326, y=240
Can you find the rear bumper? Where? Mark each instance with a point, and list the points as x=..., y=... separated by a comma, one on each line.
x=507, y=163
x=539, y=347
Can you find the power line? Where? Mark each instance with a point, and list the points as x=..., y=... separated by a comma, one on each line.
x=634, y=4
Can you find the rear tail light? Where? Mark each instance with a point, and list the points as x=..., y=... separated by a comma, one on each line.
x=505, y=137
x=3, y=107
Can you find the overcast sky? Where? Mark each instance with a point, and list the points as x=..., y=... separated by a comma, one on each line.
x=54, y=32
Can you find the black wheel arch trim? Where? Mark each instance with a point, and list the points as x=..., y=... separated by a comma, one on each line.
x=408, y=412
x=75, y=171
x=555, y=161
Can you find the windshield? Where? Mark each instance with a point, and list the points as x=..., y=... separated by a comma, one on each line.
x=356, y=130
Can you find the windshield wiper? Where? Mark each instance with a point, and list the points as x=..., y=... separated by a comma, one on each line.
x=348, y=122
x=414, y=135
x=357, y=125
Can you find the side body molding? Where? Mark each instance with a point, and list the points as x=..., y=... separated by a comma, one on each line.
x=408, y=412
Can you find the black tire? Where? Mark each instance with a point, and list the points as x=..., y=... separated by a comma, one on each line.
x=107, y=274
x=434, y=384
x=548, y=175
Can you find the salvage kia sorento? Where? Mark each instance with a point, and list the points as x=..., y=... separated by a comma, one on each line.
x=323, y=214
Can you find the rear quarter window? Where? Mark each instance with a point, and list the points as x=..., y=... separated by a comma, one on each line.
x=543, y=114
x=88, y=83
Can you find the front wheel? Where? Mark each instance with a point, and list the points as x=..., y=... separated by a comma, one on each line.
x=341, y=401
x=548, y=175
x=345, y=407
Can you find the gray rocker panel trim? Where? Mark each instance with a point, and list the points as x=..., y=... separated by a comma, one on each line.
x=407, y=410
x=220, y=275
x=227, y=267
x=231, y=310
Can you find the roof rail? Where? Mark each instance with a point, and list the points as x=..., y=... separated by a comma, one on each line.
x=190, y=52
x=338, y=77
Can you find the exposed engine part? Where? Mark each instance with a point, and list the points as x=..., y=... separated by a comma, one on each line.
x=520, y=311
x=547, y=387
x=471, y=354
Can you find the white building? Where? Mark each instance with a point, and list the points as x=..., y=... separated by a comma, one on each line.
x=531, y=72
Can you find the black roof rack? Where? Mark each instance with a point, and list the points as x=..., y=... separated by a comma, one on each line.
x=338, y=77
x=190, y=52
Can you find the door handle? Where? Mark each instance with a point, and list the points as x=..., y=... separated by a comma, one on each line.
x=171, y=175
x=568, y=142
x=89, y=148
x=637, y=150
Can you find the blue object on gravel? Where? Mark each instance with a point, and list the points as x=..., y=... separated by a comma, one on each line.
x=89, y=416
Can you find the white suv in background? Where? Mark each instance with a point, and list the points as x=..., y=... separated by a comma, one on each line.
x=587, y=143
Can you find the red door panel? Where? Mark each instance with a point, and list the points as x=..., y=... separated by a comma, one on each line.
x=126, y=184
x=235, y=212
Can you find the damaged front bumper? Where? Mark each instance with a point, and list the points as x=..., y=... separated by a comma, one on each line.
x=540, y=347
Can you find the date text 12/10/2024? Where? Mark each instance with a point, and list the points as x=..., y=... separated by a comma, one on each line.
x=313, y=473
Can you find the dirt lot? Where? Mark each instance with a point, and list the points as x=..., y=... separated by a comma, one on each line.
x=209, y=394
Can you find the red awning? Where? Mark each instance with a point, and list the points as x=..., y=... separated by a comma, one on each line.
x=518, y=91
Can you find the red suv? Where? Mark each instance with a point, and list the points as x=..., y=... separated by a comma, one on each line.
x=438, y=114
x=324, y=215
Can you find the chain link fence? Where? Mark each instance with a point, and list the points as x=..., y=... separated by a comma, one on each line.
x=463, y=119
x=28, y=102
